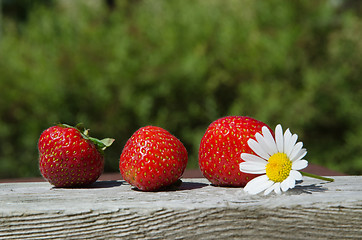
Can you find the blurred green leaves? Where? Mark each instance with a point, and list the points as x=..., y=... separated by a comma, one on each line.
x=181, y=65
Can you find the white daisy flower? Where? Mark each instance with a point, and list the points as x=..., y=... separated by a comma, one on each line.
x=279, y=160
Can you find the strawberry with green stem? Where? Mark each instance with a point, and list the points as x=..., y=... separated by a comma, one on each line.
x=69, y=157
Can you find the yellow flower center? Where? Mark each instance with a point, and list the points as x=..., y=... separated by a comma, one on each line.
x=278, y=167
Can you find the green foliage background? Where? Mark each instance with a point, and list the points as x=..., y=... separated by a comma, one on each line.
x=180, y=65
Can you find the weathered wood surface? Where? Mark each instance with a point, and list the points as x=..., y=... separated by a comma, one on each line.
x=197, y=210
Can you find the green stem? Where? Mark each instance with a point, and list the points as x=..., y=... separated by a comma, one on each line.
x=100, y=144
x=317, y=177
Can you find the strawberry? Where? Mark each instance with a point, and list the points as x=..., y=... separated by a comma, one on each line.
x=68, y=157
x=219, y=154
x=152, y=159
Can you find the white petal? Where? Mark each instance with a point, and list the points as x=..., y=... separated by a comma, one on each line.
x=279, y=139
x=263, y=186
x=296, y=175
x=255, y=182
x=254, y=145
x=296, y=149
x=287, y=137
x=290, y=145
x=269, y=140
x=260, y=187
x=252, y=167
x=284, y=185
x=262, y=142
x=291, y=182
x=300, y=155
x=269, y=189
x=298, y=165
x=247, y=157
x=277, y=188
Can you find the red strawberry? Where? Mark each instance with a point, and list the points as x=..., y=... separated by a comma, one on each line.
x=69, y=157
x=152, y=158
x=219, y=154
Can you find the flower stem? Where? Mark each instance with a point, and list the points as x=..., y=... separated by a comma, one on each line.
x=317, y=177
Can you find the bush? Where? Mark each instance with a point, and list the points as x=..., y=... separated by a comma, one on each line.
x=181, y=65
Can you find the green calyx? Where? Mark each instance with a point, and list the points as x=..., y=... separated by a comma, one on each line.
x=100, y=144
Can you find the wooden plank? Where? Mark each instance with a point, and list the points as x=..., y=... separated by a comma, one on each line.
x=197, y=210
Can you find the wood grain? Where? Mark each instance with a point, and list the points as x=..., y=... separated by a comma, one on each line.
x=197, y=210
